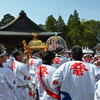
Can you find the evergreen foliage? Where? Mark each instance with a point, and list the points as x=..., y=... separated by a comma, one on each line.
x=75, y=32
x=74, y=35
x=42, y=26
x=6, y=19
x=51, y=24
x=61, y=27
x=95, y=27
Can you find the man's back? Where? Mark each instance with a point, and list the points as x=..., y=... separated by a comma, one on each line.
x=77, y=80
x=46, y=92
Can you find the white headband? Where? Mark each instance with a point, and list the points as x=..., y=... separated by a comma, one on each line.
x=34, y=54
x=60, y=51
x=3, y=53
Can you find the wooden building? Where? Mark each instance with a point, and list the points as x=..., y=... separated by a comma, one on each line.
x=21, y=28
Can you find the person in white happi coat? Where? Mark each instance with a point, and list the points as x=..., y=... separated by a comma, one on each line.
x=20, y=69
x=97, y=90
x=34, y=62
x=60, y=57
x=44, y=76
x=76, y=78
x=7, y=79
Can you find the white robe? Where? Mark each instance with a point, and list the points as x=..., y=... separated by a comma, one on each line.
x=7, y=84
x=77, y=80
x=43, y=84
x=33, y=64
x=22, y=74
x=97, y=91
x=58, y=61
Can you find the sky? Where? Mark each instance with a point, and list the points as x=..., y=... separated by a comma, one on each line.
x=39, y=10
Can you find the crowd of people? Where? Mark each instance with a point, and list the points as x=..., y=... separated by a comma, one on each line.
x=90, y=58
x=51, y=75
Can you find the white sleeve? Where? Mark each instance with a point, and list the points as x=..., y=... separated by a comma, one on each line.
x=96, y=72
x=25, y=71
x=97, y=91
x=58, y=76
x=11, y=79
x=6, y=65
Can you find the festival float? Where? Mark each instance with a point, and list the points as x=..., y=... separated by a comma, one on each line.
x=55, y=41
x=51, y=44
x=33, y=44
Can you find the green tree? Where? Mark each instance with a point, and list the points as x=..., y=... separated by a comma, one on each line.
x=42, y=26
x=89, y=38
x=75, y=32
x=6, y=19
x=61, y=27
x=51, y=24
x=95, y=26
x=60, y=24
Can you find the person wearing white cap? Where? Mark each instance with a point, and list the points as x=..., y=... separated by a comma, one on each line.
x=76, y=78
x=8, y=82
x=95, y=57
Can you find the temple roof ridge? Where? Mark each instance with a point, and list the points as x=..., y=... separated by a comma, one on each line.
x=22, y=24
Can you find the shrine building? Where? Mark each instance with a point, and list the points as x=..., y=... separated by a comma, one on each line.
x=21, y=28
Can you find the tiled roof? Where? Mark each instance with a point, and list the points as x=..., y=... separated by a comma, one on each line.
x=22, y=24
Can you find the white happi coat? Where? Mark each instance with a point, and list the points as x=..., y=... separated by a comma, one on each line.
x=33, y=64
x=22, y=75
x=7, y=84
x=77, y=80
x=58, y=61
x=43, y=83
x=97, y=91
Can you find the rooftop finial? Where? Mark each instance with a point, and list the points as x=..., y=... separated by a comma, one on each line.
x=22, y=12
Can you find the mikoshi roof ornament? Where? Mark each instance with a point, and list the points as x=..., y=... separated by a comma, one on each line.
x=55, y=41
x=33, y=44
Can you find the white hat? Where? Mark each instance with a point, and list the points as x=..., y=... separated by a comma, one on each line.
x=95, y=55
x=85, y=55
x=95, y=62
x=3, y=53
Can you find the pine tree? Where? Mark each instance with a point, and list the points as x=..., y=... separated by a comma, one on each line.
x=51, y=24
x=61, y=27
x=74, y=35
